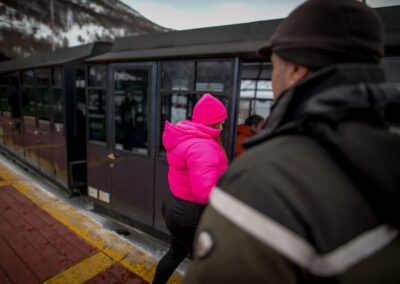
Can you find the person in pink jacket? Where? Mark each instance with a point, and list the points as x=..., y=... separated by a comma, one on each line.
x=196, y=160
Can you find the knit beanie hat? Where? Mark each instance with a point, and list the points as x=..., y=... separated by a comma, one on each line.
x=209, y=110
x=319, y=33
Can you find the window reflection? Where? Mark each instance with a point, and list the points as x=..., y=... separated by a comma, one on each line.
x=42, y=77
x=4, y=106
x=57, y=76
x=13, y=97
x=3, y=99
x=97, y=115
x=256, y=95
x=96, y=103
x=80, y=80
x=58, y=106
x=97, y=76
x=28, y=102
x=43, y=103
x=80, y=113
x=255, y=98
x=80, y=102
x=130, y=108
x=178, y=76
x=213, y=76
x=178, y=107
x=28, y=78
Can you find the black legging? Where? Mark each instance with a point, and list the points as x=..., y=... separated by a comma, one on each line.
x=180, y=246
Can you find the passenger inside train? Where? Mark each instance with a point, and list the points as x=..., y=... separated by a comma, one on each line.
x=127, y=112
x=252, y=125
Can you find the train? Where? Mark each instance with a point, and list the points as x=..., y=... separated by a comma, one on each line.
x=90, y=118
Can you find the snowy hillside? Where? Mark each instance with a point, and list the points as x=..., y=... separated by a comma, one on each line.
x=31, y=26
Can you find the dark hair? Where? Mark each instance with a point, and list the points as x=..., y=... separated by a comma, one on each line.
x=254, y=119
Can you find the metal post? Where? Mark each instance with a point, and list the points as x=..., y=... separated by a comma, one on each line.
x=52, y=23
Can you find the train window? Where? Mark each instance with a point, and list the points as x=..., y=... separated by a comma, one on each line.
x=97, y=76
x=176, y=107
x=255, y=98
x=97, y=128
x=5, y=102
x=97, y=115
x=3, y=93
x=177, y=75
x=213, y=76
x=43, y=103
x=28, y=102
x=57, y=76
x=80, y=80
x=80, y=113
x=80, y=102
x=13, y=95
x=42, y=77
x=3, y=99
x=131, y=110
x=58, y=113
x=28, y=78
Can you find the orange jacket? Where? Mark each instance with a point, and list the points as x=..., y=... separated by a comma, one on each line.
x=243, y=132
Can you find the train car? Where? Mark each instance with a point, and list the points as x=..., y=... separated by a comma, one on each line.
x=42, y=113
x=159, y=77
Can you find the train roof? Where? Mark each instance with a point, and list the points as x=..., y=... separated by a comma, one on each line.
x=222, y=41
x=54, y=58
x=225, y=41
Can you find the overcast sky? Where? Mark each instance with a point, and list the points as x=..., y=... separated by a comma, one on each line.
x=189, y=14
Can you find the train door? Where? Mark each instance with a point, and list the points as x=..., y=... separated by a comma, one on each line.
x=132, y=154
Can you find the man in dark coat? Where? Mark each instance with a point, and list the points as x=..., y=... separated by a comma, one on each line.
x=316, y=198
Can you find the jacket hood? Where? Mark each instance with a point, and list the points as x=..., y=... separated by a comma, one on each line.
x=209, y=110
x=182, y=131
x=355, y=117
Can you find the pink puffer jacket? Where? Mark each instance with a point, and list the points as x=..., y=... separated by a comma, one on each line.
x=195, y=158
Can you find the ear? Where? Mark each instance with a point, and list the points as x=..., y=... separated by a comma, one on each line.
x=298, y=74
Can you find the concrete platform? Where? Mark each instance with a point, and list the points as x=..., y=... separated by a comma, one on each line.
x=44, y=239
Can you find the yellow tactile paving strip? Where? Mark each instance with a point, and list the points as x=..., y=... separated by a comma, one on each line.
x=83, y=271
x=112, y=248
